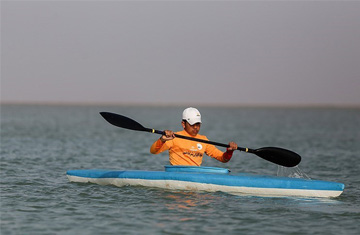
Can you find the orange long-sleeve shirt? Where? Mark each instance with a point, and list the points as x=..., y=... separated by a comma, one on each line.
x=188, y=152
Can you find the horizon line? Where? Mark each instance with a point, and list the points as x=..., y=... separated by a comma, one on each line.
x=141, y=104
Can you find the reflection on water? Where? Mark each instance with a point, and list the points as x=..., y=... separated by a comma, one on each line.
x=187, y=200
x=186, y=208
x=310, y=202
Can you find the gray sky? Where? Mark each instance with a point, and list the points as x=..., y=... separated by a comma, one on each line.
x=192, y=52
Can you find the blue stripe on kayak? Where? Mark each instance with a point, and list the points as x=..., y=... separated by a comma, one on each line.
x=240, y=180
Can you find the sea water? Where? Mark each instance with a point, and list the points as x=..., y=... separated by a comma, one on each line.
x=40, y=143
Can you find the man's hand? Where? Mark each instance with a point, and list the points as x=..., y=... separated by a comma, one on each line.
x=233, y=146
x=168, y=135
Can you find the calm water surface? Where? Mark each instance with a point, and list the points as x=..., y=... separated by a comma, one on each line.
x=39, y=143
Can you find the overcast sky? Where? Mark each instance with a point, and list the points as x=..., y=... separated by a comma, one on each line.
x=176, y=52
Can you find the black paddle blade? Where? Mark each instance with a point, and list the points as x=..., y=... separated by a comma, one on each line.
x=122, y=121
x=279, y=156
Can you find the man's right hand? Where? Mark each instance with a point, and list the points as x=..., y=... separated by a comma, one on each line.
x=168, y=135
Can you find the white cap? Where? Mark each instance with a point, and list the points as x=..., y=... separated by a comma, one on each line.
x=191, y=115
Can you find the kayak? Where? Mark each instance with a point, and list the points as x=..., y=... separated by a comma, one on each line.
x=210, y=179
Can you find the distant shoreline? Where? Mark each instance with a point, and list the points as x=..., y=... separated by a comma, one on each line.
x=320, y=106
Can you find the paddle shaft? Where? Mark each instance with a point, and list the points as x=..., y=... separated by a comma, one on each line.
x=199, y=140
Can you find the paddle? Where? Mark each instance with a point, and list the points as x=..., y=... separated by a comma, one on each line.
x=275, y=155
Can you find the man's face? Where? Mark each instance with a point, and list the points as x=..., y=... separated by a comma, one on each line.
x=192, y=130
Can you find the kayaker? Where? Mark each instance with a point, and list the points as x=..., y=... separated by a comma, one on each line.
x=187, y=152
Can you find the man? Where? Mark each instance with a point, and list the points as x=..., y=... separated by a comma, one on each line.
x=188, y=152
